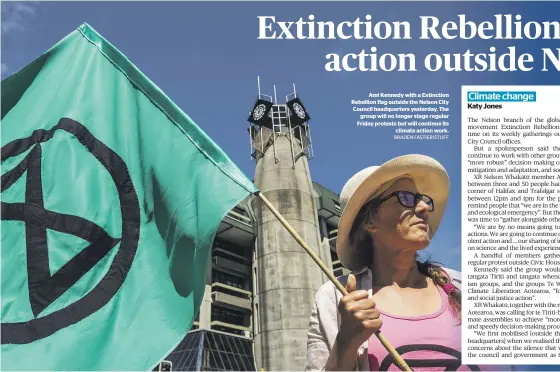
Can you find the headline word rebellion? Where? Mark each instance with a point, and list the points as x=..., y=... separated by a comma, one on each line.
x=504, y=27
x=501, y=27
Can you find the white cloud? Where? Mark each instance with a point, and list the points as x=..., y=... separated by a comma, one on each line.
x=16, y=16
x=4, y=68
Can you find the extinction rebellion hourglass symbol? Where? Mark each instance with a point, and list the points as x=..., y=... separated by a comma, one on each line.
x=45, y=288
x=450, y=359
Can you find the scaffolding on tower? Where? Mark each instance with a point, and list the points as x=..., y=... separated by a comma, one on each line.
x=268, y=120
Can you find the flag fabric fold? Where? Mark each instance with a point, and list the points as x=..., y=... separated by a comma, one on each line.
x=111, y=199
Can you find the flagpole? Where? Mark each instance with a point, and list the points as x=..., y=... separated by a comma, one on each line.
x=399, y=361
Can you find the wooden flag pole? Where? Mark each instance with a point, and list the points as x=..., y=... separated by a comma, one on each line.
x=399, y=361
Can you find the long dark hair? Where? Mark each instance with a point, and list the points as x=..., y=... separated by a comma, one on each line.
x=362, y=246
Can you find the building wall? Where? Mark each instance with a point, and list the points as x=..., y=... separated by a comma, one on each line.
x=286, y=278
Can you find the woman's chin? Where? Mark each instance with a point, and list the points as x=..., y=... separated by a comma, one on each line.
x=419, y=242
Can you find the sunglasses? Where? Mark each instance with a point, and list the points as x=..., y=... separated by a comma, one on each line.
x=409, y=199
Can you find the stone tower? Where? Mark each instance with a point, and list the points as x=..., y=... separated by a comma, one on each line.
x=285, y=278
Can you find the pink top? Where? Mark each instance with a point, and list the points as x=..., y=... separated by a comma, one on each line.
x=427, y=343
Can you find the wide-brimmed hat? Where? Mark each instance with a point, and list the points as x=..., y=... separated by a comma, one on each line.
x=429, y=176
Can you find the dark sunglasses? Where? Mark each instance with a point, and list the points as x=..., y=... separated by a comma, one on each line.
x=409, y=199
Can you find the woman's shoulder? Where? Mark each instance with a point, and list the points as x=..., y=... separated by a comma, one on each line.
x=329, y=290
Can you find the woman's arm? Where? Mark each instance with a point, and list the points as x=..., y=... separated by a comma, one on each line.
x=342, y=356
x=359, y=320
x=317, y=341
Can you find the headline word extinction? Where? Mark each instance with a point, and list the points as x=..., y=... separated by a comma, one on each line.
x=502, y=27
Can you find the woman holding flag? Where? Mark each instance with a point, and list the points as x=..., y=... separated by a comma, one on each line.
x=390, y=212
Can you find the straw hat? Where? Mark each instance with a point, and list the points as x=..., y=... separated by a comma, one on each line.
x=429, y=176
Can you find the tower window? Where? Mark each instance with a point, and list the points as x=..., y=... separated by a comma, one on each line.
x=221, y=314
x=227, y=279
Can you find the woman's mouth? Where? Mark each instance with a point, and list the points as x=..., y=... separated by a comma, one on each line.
x=422, y=225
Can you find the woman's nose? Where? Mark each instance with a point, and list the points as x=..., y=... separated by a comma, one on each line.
x=422, y=207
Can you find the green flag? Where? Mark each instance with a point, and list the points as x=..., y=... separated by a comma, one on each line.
x=111, y=198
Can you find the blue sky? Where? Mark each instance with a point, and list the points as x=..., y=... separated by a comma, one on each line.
x=206, y=57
